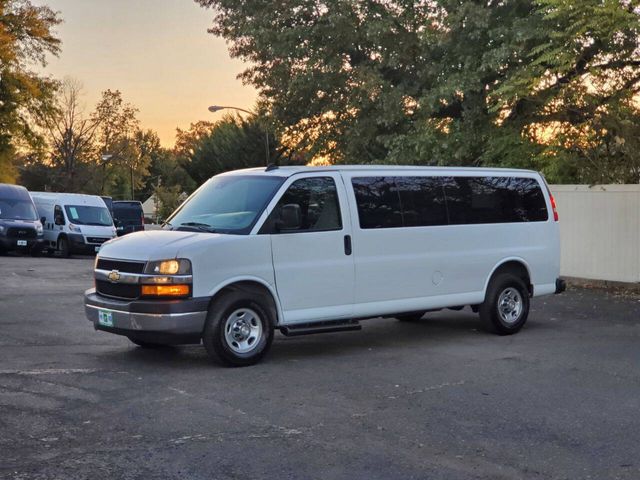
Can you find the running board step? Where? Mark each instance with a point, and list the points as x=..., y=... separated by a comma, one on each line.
x=320, y=327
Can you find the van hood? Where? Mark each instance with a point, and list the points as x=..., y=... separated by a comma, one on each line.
x=154, y=244
x=97, y=231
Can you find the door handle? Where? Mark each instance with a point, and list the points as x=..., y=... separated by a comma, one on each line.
x=347, y=245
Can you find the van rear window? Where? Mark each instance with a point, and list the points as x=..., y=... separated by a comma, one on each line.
x=472, y=200
x=388, y=202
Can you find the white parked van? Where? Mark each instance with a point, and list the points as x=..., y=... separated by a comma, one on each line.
x=73, y=222
x=308, y=250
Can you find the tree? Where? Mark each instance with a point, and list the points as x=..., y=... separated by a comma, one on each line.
x=117, y=122
x=166, y=171
x=70, y=137
x=206, y=149
x=168, y=199
x=25, y=39
x=142, y=146
x=529, y=83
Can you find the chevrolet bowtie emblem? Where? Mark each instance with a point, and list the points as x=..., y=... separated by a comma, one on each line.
x=114, y=276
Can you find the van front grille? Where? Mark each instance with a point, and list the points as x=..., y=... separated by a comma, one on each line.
x=120, y=265
x=99, y=240
x=117, y=290
x=21, y=232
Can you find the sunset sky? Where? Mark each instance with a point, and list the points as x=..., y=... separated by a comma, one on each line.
x=156, y=52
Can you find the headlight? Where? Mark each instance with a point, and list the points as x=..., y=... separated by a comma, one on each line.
x=38, y=228
x=74, y=228
x=1, y=229
x=176, y=266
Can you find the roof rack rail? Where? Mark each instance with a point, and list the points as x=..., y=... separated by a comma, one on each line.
x=271, y=166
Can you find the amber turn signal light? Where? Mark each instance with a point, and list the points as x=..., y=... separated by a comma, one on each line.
x=165, y=290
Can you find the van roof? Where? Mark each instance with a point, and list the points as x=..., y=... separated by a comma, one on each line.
x=68, y=198
x=287, y=171
x=13, y=191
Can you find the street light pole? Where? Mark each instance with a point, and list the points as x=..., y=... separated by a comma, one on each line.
x=217, y=108
x=105, y=158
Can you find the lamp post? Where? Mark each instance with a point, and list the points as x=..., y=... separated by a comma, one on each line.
x=105, y=157
x=217, y=108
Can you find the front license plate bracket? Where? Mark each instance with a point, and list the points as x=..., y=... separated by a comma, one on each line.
x=105, y=318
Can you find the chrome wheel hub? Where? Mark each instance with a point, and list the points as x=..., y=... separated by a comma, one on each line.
x=510, y=305
x=243, y=330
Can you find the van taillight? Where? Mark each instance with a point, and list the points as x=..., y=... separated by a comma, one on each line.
x=142, y=220
x=553, y=206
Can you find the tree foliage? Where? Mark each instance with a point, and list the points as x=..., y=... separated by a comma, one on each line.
x=25, y=38
x=104, y=152
x=69, y=136
x=206, y=149
x=546, y=84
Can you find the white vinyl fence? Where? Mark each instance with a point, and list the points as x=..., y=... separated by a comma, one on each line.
x=600, y=231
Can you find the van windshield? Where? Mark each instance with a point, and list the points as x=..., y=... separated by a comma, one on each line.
x=14, y=209
x=84, y=215
x=226, y=204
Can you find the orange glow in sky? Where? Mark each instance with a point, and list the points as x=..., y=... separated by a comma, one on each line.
x=156, y=52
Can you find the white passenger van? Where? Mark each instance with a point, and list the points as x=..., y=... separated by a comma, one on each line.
x=73, y=222
x=309, y=250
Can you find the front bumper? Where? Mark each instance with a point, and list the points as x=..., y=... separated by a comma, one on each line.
x=165, y=321
x=33, y=244
x=78, y=244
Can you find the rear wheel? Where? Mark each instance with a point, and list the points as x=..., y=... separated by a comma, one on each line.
x=63, y=247
x=506, y=306
x=239, y=329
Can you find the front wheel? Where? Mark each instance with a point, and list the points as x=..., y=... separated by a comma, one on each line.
x=63, y=247
x=506, y=306
x=239, y=329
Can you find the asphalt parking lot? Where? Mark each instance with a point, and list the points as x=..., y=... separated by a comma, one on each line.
x=439, y=399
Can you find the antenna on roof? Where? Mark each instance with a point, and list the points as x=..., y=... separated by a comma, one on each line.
x=271, y=166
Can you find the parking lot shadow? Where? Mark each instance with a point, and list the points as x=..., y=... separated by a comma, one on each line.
x=377, y=334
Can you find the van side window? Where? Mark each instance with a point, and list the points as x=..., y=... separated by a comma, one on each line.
x=58, y=216
x=317, y=198
x=422, y=200
x=474, y=200
x=378, y=202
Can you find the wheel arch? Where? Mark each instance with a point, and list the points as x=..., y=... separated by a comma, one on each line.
x=254, y=285
x=515, y=265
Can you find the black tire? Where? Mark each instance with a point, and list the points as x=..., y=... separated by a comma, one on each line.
x=221, y=317
x=144, y=344
x=63, y=247
x=506, y=319
x=410, y=317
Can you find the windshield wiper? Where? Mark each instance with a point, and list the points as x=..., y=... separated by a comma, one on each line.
x=196, y=226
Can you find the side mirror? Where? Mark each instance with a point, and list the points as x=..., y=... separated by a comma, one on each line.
x=43, y=220
x=289, y=217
